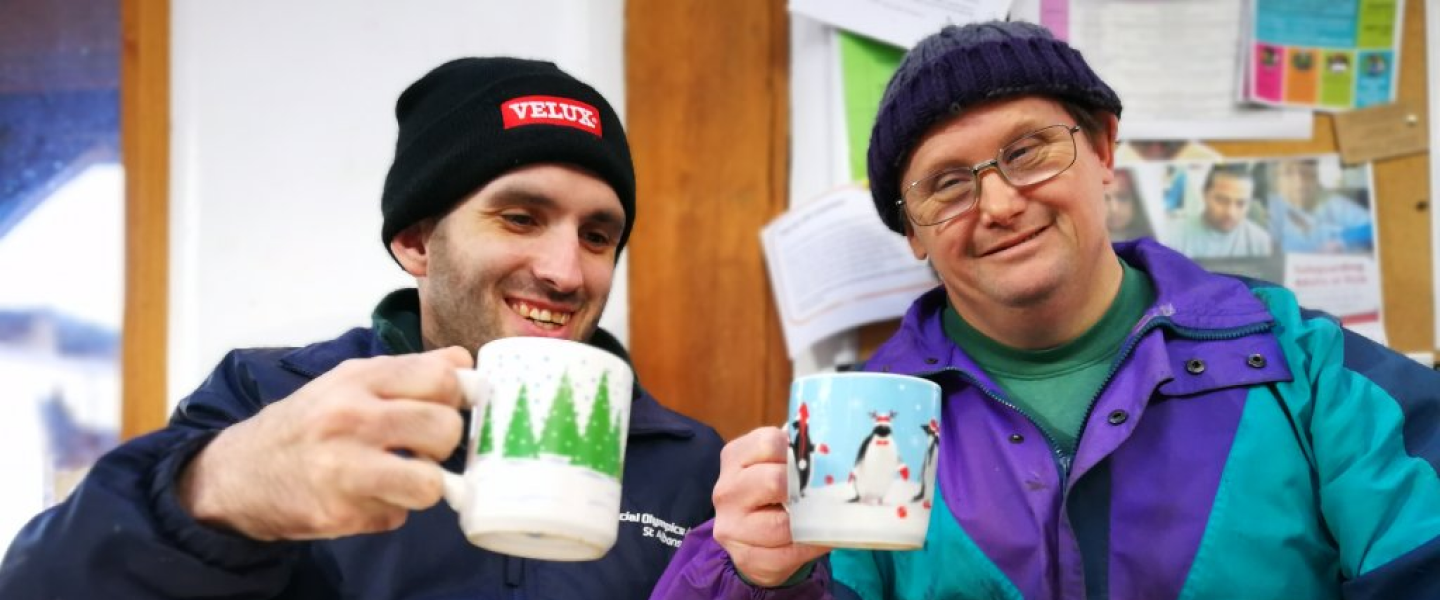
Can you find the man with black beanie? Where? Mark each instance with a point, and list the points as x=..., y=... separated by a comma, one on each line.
x=1117, y=422
x=315, y=472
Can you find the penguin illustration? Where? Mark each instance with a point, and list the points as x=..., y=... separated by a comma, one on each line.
x=927, y=470
x=801, y=447
x=877, y=462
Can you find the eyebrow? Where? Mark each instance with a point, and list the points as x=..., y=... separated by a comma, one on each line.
x=1023, y=128
x=1013, y=134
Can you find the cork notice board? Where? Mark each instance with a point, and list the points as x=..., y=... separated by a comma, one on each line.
x=1402, y=206
x=709, y=124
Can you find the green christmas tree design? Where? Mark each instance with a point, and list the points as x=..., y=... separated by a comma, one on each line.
x=597, y=431
x=519, y=437
x=562, y=431
x=617, y=449
x=487, y=443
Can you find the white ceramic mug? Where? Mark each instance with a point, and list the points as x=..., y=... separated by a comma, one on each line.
x=862, y=459
x=546, y=449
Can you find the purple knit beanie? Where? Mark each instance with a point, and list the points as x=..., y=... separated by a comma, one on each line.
x=962, y=66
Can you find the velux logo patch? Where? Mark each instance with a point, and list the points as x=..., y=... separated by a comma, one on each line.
x=551, y=110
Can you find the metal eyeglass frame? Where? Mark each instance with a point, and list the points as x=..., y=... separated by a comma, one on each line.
x=993, y=163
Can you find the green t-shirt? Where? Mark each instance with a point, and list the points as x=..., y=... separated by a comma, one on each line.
x=1056, y=386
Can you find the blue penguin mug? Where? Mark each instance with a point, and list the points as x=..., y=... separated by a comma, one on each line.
x=862, y=459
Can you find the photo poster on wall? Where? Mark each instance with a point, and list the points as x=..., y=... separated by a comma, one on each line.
x=1157, y=60
x=1335, y=55
x=857, y=69
x=1305, y=222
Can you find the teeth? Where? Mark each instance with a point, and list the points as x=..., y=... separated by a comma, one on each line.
x=543, y=317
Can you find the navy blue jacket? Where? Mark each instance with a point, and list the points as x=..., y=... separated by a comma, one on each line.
x=122, y=534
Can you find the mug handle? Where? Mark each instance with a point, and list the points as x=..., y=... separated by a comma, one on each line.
x=476, y=395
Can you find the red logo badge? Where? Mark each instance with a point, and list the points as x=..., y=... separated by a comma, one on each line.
x=551, y=110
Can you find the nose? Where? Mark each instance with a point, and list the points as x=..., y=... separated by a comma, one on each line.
x=999, y=202
x=557, y=262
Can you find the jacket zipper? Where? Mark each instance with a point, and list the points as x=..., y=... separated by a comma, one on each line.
x=1063, y=461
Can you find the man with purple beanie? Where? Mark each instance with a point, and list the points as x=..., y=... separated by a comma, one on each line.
x=1116, y=421
x=315, y=473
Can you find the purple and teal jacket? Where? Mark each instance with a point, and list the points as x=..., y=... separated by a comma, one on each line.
x=1242, y=448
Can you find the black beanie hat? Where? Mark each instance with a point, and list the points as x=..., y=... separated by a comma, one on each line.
x=471, y=120
x=959, y=67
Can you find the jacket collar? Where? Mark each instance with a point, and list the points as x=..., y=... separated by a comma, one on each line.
x=1188, y=299
x=647, y=416
x=1191, y=297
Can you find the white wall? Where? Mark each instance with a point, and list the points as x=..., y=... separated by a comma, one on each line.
x=282, y=131
x=819, y=154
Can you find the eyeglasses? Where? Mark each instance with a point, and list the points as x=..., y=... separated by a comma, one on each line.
x=1032, y=158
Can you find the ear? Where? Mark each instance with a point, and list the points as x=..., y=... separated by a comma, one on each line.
x=914, y=240
x=411, y=247
x=1105, y=148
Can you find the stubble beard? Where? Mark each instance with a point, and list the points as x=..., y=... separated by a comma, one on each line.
x=461, y=316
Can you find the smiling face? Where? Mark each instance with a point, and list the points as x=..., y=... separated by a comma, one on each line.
x=530, y=254
x=1040, y=246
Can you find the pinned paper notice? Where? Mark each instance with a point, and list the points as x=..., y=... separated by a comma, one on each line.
x=834, y=266
x=899, y=22
x=1380, y=132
